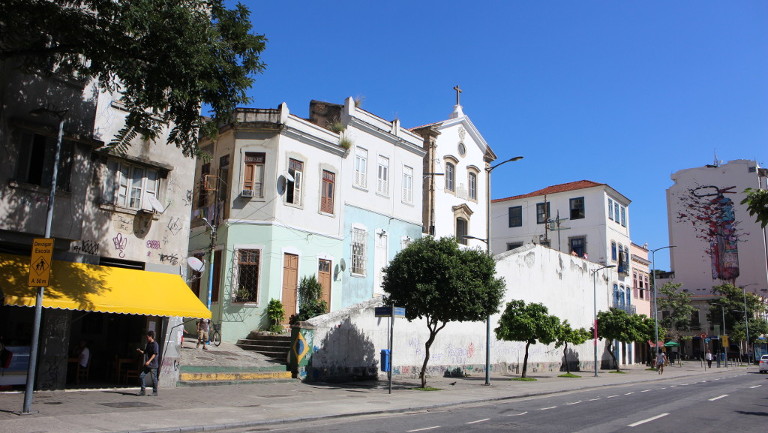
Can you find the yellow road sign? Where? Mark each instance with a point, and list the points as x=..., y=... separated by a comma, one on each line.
x=725, y=340
x=40, y=262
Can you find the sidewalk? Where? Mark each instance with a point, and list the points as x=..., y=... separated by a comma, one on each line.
x=216, y=407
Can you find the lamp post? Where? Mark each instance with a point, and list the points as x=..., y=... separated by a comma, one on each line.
x=746, y=318
x=488, y=171
x=655, y=302
x=594, y=300
x=59, y=114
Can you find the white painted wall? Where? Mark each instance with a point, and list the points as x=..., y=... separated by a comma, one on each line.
x=353, y=337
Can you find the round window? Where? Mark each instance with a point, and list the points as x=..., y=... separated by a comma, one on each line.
x=462, y=149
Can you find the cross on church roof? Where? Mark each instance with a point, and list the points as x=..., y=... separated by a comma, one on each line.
x=458, y=94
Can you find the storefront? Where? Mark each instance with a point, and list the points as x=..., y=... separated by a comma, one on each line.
x=106, y=309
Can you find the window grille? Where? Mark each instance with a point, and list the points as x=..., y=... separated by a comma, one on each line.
x=359, y=251
x=247, y=276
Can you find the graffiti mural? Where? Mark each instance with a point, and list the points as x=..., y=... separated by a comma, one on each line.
x=711, y=213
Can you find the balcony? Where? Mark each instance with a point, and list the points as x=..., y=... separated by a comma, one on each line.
x=630, y=309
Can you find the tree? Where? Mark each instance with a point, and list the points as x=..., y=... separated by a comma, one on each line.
x=165, y=58
x=616, y=324
x=731, y=303
x=530, y=323
x=677, y=304
x=757, y=205
x=567, y=335
x=310, y=300
x=437, y=281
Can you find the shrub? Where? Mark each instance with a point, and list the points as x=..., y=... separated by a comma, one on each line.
x=275, y=314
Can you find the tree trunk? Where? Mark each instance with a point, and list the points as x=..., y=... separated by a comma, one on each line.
x=565, y=355
x=525, y=359
x=427, y=345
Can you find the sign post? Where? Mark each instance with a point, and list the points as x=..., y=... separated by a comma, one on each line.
x=390, y=312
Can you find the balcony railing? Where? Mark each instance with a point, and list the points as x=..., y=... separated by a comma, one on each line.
x=630, y=309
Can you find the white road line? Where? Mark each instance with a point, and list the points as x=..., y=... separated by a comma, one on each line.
x=756, y=386
x=645, y=390
x=663, y=388
x=630, y=393
x=423, y=429
x=480, y=420
x=612, y=396
x=648, y=420
x=573, y=402
x=718, y=397
x=548, y=408
x=518, y=414
x=594, y=399
x=683, y=384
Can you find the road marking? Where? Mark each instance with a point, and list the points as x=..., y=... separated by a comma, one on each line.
x=645, y=390
x=630, y=393
x=673, y=386
x=548, y=408
x=518, y=414
x=423, y=429
x=756, y=386
x=612, y=396
x=594, y=399
x=663, y=388
x=648, y=420
x=573, y=402
x=683, y=384
x=718, y=397
x=480, y=420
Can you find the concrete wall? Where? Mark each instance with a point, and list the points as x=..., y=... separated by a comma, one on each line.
x=347, y=342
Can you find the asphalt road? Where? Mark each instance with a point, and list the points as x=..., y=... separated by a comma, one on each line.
x=731, y=403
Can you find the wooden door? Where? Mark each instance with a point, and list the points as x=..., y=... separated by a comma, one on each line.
x=324, y=277
x=290, y=284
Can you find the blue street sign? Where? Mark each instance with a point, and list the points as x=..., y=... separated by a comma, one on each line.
x=387, y=312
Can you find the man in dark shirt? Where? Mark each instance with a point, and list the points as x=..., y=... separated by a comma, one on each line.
x=150, y=363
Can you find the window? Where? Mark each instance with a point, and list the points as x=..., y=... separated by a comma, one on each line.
x=542, y=212
x=202, y=198
x=578, y=245
x=293, y=189
x=407, y=184
x=513, y=245
x=247, y=276
x=577, y=208
x=615, y=295
x=461, y=230
x=382, y=186
x=361, y=167
x=35, y=165
x=326, y=200
x=616, y=211
x=516, y=216
x=623, y=267
x=623, y=216
x=129, y=185
x=473, y=186
x=610, y=209
x=359, y=246
x=614, y=252
x=634, y=279
x=253, y=176
x=450, y=176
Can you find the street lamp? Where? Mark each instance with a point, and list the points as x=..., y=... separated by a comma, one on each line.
x=655, y=301
x=488, y=171
x=59, y=114
x=594, y=299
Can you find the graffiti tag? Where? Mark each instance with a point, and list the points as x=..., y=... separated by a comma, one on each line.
x=155, y=245
x=174, y=225
x=120, y=242
x=172, y=258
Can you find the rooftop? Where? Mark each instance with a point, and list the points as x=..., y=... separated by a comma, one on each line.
x=554, y=189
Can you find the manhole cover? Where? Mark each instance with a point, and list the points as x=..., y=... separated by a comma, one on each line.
x=127, y=404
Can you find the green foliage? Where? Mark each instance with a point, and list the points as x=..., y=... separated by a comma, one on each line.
x=345, y=143
x=569, y=375
x=757, y=205
x=439, y=282
x=567, y=335
x=678, y=304
x=310, y=304
x=275, y=314
x=524, y=379
x=730, y=303
x=616, y=324
x=165, y=58
x=530, y=323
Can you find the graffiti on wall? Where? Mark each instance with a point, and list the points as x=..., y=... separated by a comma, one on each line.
x=85, y=247
x=711, y=213
x=120, y=242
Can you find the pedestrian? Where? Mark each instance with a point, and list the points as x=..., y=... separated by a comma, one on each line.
x=708, y=357
x=661, y=359
x=83, y=354
x=150, y=363
x=203, y=325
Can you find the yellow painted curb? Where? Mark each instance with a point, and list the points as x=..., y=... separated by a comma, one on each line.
x=206, y=377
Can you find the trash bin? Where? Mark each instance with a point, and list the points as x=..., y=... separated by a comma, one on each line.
x=384, y=359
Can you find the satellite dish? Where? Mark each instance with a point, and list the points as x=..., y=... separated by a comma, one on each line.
x=155, y=203
x=195, y=263
x=343, y=265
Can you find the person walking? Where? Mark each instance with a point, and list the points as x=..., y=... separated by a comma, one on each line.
x=203, y=325
x=150, y=363
x=709, y=358
x=661, y=359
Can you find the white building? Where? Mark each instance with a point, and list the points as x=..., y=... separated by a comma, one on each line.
x=455, y=190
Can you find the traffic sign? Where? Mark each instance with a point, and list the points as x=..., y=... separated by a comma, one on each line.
x=703, y=335
x=387, y=311
x=707, y=340
x=40, y=262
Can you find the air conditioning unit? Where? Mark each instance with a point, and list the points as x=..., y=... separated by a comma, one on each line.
x=246, y=193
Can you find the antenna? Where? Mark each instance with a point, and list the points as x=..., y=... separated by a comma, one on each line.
x=343, y=265
x=195, y=263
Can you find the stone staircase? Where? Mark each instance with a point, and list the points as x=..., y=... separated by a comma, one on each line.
x=275, y=347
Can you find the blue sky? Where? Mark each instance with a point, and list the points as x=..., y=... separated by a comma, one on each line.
x=618, y=92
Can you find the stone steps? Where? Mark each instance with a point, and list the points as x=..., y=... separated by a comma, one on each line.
x=273, y=346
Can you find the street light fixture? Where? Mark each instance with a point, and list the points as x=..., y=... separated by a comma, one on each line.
x=59, y=114
x=655, y=301
x=594, y=299
x=488, y=171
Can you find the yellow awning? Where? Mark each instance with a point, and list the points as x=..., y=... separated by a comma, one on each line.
x=104, y=289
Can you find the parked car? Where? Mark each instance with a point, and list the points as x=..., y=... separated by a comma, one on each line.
x=764, y=364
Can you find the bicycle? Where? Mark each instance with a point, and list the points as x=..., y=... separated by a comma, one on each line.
x=215, y=337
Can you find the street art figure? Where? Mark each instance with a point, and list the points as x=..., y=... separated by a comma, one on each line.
x=712, y=215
